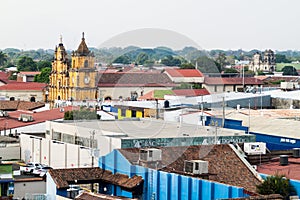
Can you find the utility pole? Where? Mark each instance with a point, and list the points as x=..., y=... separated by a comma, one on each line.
x=223, y=117
x=156, y=108
x=249, y=118
x=92, y=146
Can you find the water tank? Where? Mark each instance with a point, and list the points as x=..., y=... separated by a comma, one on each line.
x=296, y=152
x=166, y=104
x=284, y=160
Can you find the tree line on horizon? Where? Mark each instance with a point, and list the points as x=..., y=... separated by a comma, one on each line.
x=213, y=61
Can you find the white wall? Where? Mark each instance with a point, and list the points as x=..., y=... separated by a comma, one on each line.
x=30, y=187
x=50, y=187
x=34, y=128
x=56, y=155
x=10, y=152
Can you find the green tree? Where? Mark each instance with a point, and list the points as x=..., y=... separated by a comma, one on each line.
x=82, y=114
x=43, y=64
x=43, y=77
x=221, y=61
x=3, y=58
x=277, y=184
x=289, y=70
x=206, y=65
x=141, y=58
x=171, y=61
x=187, y=66
x=122, y=59
x=26, y=64
x=280, y=58
x=230, y=70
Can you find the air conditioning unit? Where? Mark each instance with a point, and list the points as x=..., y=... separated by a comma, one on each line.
x=150, y=154
x=196, y=166
x=255, y=148
x=25, y=118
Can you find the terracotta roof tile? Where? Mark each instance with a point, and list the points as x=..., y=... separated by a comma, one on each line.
x=20, y=105
x=184, y=72
x=39, y=117
x=232, y=81
x=224, y=165
x=129, y=79
x=64, y=177
x=29, y=73
x=20, y=86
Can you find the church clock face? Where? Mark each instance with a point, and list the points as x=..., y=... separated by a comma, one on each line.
x=86, y=80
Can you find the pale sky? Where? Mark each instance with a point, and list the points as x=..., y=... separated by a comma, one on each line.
x=211, y=24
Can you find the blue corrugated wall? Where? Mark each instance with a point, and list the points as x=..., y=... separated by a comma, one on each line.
x=228, y=123
x=167, y=186
x=277, y=142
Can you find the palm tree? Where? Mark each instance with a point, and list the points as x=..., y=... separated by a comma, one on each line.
x=3, y=58
x=276, y=184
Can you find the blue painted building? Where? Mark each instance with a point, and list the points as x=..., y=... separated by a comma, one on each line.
x=277, y=142
x=165, y=185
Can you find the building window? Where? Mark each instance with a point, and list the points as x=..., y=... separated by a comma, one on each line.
x=196, y=166
x=123, y=112
x=86, y=63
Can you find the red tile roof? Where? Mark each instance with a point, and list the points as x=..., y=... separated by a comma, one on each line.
x=29, y=86
x=39, y=117
x=20, y=105
x=4, y=77
x=232, y=81
x=224, y=165
x=191, y=92
x=184, y=72
x=133, y=79
x=63, y=177
x=291, y=171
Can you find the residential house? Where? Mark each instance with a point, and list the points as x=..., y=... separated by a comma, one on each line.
x=131, y=85
x=26, y=76
x=24, y=91
x=107, y=181
x=235, y=84
x=222, y=173
x=191, y=76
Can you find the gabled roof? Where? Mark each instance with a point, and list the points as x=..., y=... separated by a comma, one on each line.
x=23, y=86
x=232, y=81
x=64, y=177
x=184, y=73
x=224, y=165
x=134, y=79
x=20, y=105
x=39, y=117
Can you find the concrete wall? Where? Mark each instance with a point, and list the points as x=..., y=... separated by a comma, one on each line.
x=279, y=103
x=23, y=96
x=29, y=187
x=125, y=92
x=163, y=185
x=10, y=152
x=104, y=143
x=53, y=153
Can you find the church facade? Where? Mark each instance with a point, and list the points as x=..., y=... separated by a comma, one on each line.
x=74, y=80
x=266, y=64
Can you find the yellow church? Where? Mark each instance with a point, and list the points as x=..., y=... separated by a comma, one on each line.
x=75, y=80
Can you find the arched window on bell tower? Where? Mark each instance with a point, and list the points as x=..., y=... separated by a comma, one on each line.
x=86, y=63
